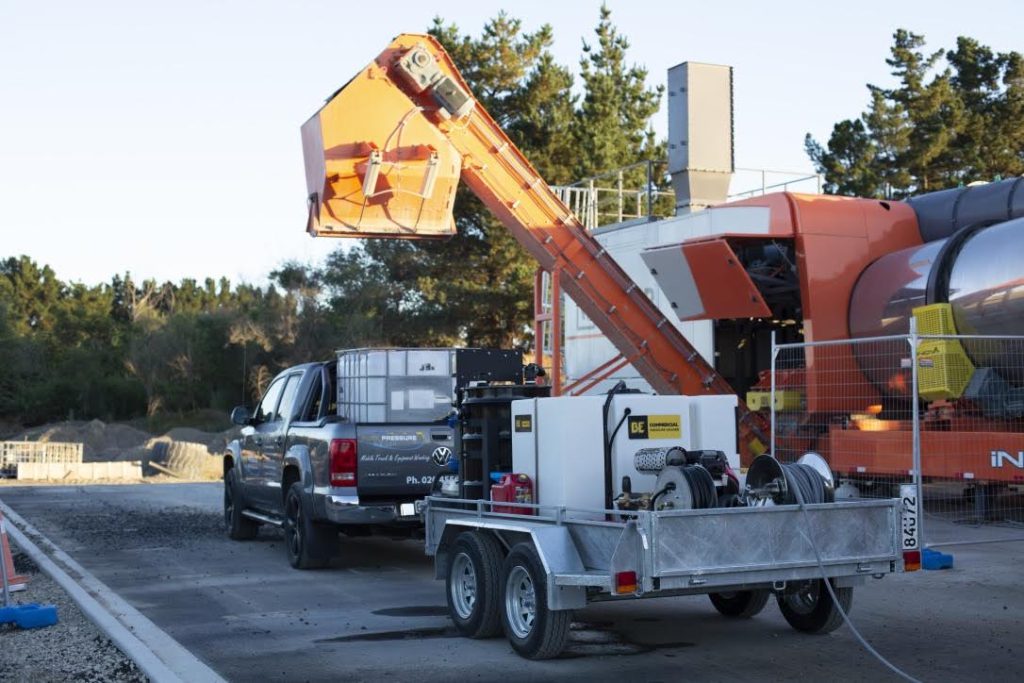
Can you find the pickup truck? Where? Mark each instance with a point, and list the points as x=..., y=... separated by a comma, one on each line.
x=301, y=466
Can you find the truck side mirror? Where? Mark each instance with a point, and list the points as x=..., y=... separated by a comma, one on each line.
x=241, y=416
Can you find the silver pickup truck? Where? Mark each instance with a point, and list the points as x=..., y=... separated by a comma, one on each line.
x=349, y=445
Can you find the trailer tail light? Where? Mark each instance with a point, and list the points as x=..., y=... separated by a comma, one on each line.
x=911, y=560
x=343, y=462
x=625, y=582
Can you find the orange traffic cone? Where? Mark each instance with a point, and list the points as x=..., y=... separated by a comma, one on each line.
x=14, y=581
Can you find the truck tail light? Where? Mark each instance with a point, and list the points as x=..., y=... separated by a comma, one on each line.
x=343, y=462
x=625, y=582
x=911, y=560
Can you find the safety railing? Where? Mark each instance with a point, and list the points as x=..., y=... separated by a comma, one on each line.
x=644, y=190
x=14, y=452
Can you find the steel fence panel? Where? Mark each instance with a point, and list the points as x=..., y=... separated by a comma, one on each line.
x=945, y=412
x=972, y=437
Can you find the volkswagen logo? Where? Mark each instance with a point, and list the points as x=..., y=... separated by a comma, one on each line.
x=442, y=456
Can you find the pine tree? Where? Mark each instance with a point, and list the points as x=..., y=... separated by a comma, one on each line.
x=942, y=125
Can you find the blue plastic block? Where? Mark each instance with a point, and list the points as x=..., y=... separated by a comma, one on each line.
x=933, y=559
x=29, y=615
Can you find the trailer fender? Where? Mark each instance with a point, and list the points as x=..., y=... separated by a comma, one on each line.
x=558, y=554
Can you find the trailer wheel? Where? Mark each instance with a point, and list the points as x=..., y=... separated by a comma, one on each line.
x=534, y=630
x=310, y=545
x=810, y=607
x=740, y=604
x=240, y=527
x=474, y=585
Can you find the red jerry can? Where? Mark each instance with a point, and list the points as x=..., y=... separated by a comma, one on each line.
x=513, y=488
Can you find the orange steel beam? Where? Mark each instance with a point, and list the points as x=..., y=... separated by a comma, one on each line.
x=598, y=375
x=383, y=156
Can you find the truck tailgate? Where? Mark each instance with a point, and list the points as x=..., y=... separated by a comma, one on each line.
x=402, y=460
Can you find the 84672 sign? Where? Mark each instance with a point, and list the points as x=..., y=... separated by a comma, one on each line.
x=911, y=533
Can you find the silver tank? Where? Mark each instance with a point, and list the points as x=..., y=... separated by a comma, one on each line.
x=983, y=280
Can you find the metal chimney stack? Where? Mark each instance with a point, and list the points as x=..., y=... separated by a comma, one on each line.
x=700, y=134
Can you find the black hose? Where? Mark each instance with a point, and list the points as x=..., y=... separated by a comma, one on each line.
x=625, y=413
x=806, y=483
x=702, y=486
x=668, y=487
x=608, y=487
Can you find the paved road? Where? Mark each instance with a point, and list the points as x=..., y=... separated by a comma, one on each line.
x=377, y=614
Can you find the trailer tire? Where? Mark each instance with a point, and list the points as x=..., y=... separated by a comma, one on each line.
x=811, y=609
x=474, y=585
x=533, y=630
x=309, y=544
x=740, y=604
x=240, y=527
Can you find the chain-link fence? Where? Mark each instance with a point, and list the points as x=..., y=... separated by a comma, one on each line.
x=875, y=408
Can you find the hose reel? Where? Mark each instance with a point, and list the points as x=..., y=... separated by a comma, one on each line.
x=770, y=482
x=685, y=487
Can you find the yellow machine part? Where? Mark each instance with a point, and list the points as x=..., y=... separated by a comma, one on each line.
x=785, y=400
x=943, y=367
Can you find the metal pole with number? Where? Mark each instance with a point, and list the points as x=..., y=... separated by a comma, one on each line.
x=916, y=430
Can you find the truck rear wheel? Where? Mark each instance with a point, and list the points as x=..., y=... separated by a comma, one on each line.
x=474, y=585
x=240, y=527
x=534, y=630
x=811, y=609
x=740, y=604
x=310, y=545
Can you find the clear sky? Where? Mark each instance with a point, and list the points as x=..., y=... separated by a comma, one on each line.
x=162, y=138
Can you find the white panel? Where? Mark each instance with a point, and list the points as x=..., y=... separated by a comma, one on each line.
x=397, y=400
x=569, y=450
x=375, y=389
x=421, y=399
x=429, y=363
x=396, y=363
x=376, y=363
x=714, y=425
x=624, y=447
x=524, y=455
x=671, y=272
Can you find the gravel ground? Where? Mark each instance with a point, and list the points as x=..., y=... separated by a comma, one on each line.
x=72, y=650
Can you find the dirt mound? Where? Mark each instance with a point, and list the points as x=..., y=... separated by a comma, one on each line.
x=100, y=441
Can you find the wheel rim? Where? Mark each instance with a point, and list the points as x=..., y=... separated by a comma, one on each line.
x=463, y=586
x=520, y=602
x=804, y=600
x=293, y=517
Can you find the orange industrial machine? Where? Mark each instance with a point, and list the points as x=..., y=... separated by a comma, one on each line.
x=818, y=269
x=384, y=155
